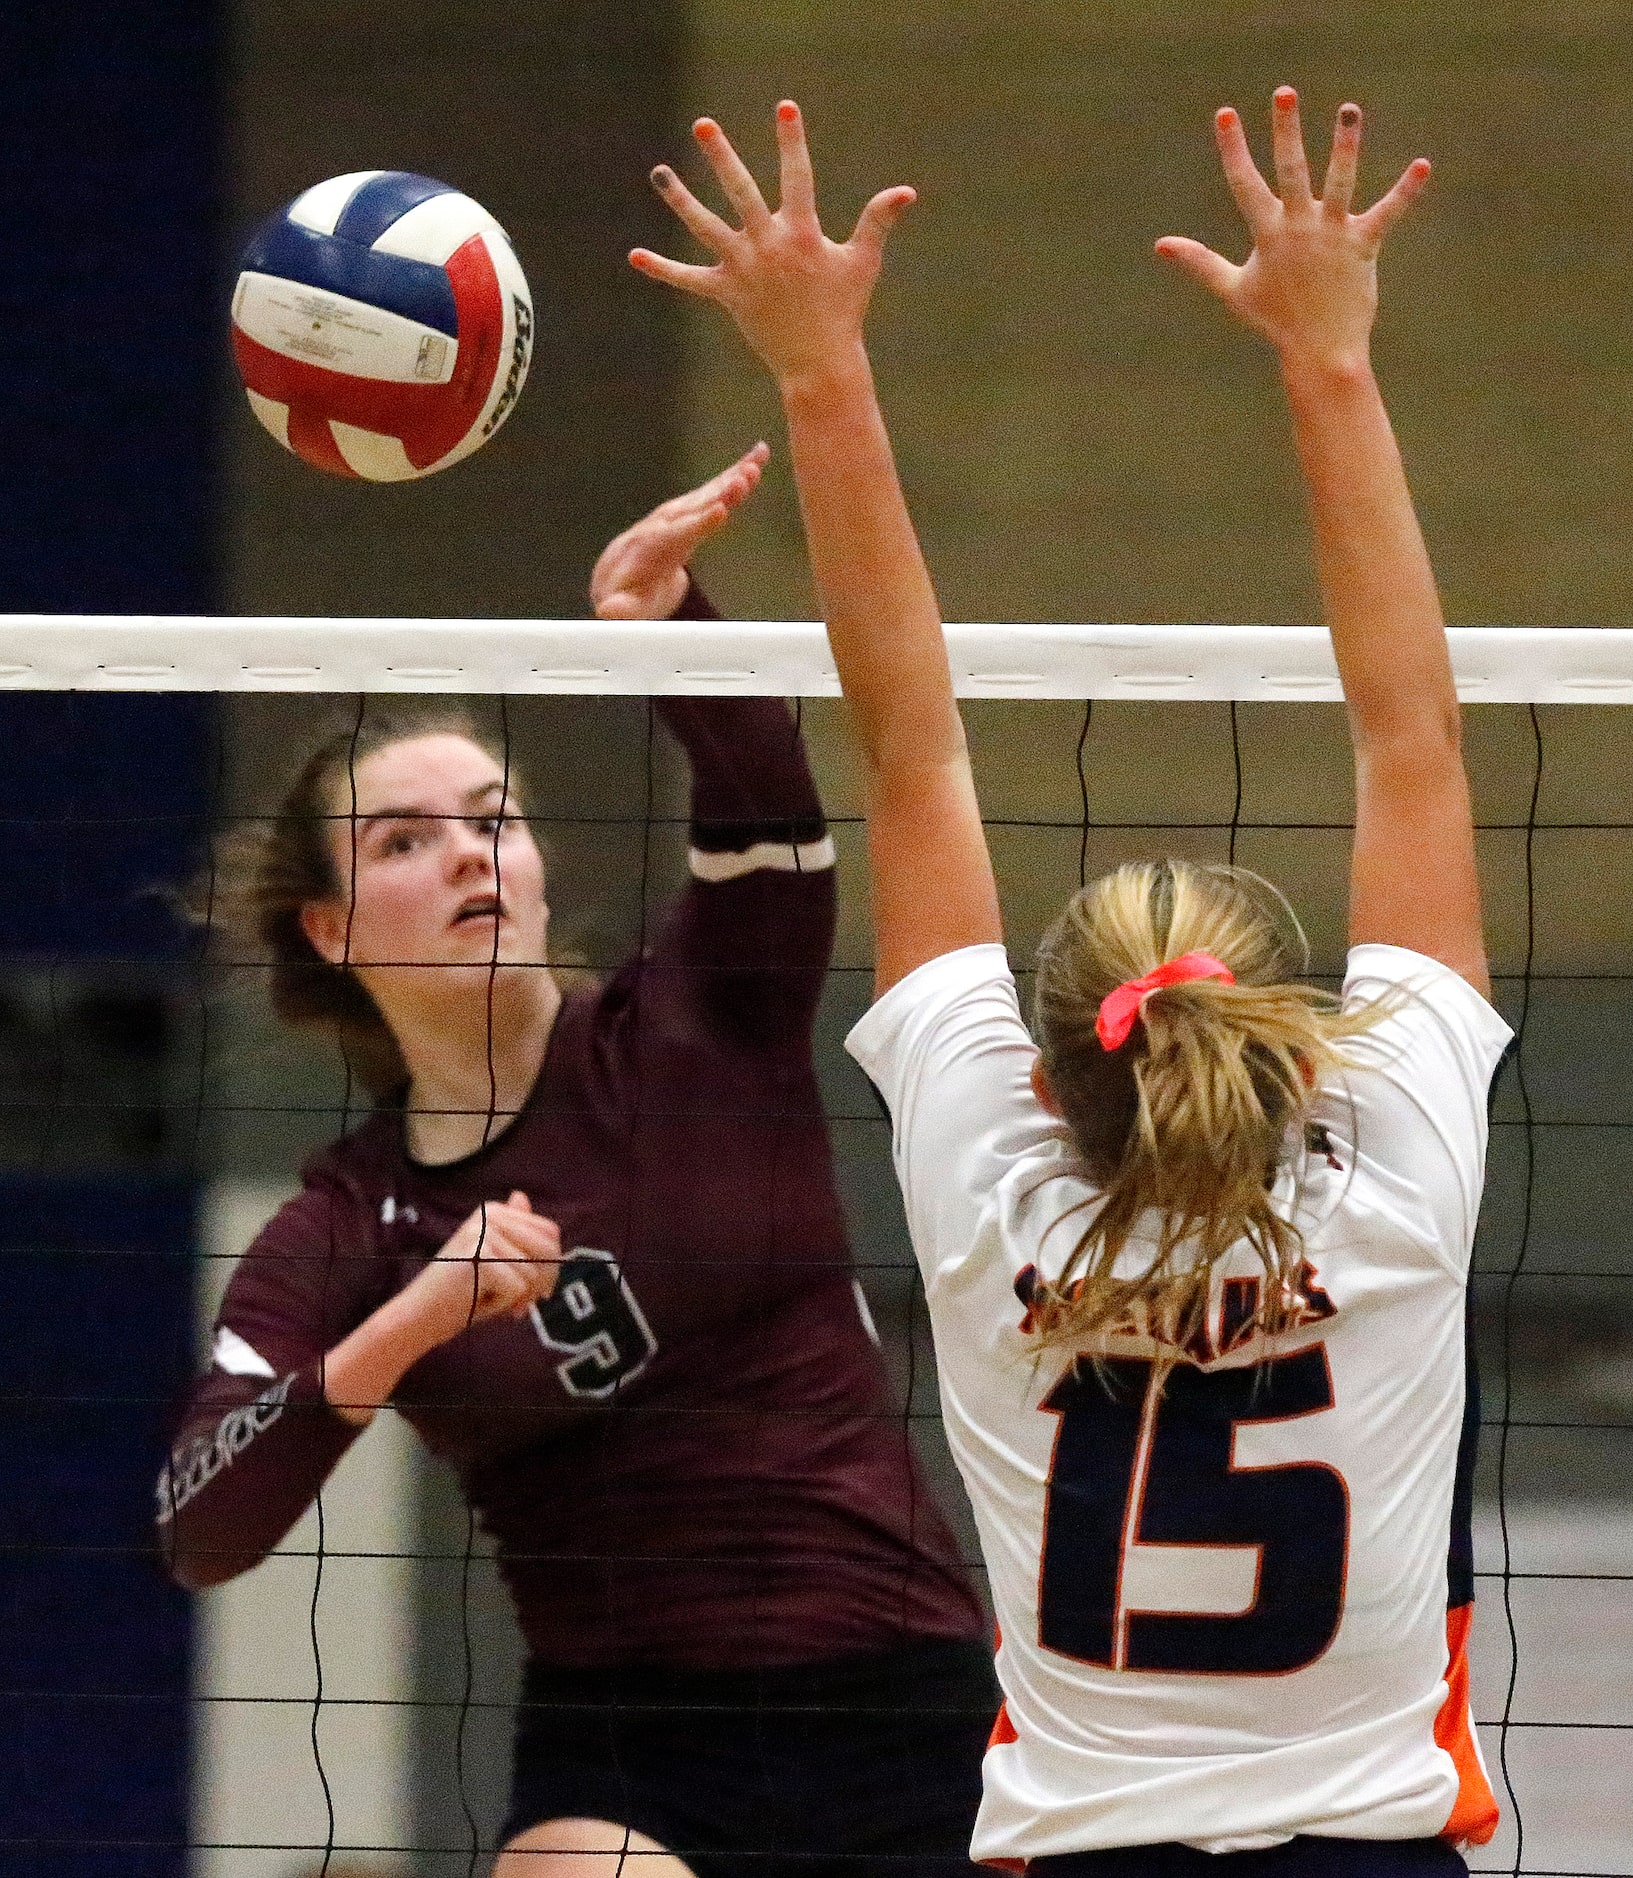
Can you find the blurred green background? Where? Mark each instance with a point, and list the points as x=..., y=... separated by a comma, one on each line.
x=1082, y=434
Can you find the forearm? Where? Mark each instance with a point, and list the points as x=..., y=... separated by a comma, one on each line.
x=883, y=620
x=241, y=1471
x=750, y=778
x=361, y=1371
x=1377, y=586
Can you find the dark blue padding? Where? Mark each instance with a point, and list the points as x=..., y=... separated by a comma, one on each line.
x=415, y=289
x=107, y=800
x=95, y=1643
x=110, y=480
x=379, y=203
x=1460, y=1551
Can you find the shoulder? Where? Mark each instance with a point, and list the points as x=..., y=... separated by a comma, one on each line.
x=951, y=1057
x=1425, y=1010
x=360, y=1167
x=978, y=1157
x=960, y=1001
x=1408, y=1116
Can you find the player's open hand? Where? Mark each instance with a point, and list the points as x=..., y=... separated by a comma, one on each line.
x=499, y=1263
x=642, y=572
x=1310, y=286
x=799, y=298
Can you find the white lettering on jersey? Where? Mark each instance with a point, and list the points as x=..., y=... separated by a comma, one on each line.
x=191, y=1469
x=863, y=1312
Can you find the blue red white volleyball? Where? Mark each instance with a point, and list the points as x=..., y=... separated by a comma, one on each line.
x=382, y=325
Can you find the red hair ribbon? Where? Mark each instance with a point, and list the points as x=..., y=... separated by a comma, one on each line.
x=1119, y=1009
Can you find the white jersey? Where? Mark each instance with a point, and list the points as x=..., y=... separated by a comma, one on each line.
x=1222, y=1606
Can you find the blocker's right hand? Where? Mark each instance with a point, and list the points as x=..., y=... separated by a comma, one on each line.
x=1310, y=285
x=500, y=1263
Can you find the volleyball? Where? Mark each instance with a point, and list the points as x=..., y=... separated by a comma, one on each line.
x=382, y=325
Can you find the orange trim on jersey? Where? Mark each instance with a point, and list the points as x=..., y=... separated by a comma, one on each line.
x=1474, y=1814
x=1003, y=1732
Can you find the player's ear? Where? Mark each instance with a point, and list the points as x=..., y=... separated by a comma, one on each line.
x=1043, y=1089
x=324, y=923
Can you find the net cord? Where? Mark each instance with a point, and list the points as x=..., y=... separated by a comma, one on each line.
x=1527, y=1207
x=323, y=1308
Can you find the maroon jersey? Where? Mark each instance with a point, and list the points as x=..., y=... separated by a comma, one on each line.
x=689, y=1454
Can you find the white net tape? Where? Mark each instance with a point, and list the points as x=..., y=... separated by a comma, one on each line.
x=72, y=652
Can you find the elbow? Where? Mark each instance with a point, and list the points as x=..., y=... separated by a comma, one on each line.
x=189, y=1575
x=1426, y=735
x=204, y=1573
x=1448, y=720
x=198, y=1566
x=191, y=1570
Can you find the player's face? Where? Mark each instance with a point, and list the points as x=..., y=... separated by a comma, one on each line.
x=436, y=869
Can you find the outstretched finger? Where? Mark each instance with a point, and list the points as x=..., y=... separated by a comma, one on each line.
x=1338, y=191
x=729, y=485
x=798, y=179
x=726, y=490
x=874, y=224
x=715, y=233
x=681, y=274
x=1199, y=261
x=698, y=528
x=1253, y=195
x=1388, y=209
x=732, y=173
x=673, y=537
x=1287, y=148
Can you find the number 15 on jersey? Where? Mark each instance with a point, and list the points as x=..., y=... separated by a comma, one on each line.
x=1144, y=1458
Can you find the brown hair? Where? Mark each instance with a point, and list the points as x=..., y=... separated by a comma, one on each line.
x=1190, y=1118
x=262, y=877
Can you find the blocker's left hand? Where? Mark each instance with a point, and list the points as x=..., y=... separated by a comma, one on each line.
x=642, y=572
x=798, y=298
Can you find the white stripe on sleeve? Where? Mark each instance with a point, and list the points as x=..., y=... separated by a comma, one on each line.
x=783, y=857
x=236, y=1357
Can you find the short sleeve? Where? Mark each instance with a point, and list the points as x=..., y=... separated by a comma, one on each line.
x=951, y=1057
x=1415, y=1115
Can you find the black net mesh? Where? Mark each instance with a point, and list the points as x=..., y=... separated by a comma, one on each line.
x=350, y=1702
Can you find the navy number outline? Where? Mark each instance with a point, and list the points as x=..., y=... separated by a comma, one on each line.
x=593, y=1319
x=1146, y=1459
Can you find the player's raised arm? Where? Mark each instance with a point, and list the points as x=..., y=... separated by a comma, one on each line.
x=800, y=301
x=1310, y=287
x=752, y=936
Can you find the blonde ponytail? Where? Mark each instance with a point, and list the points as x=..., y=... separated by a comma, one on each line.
x=1183, y=1126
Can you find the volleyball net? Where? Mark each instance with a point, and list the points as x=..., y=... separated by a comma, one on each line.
x=349, y=1702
